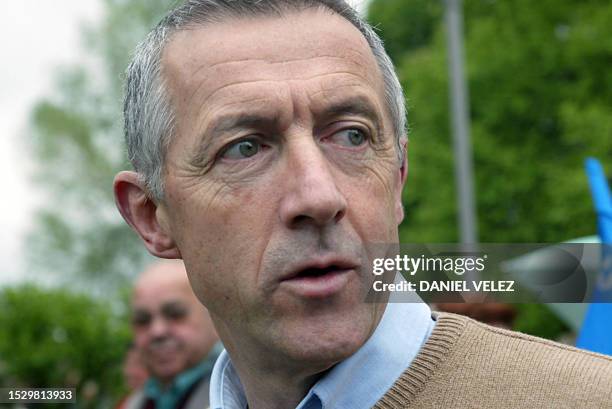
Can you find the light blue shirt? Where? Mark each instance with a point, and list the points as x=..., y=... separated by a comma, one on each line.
x=359, y=381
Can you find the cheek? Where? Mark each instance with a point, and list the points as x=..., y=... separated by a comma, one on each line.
x=374, y=220
x=372, y=206
x=222, y=240
x=187, y=334
x=141, y=338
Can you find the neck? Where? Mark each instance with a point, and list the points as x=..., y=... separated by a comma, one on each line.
x=275, y=391
x=270, y=379
x=275, y=382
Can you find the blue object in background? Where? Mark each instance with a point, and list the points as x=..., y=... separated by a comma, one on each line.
x=596, y=332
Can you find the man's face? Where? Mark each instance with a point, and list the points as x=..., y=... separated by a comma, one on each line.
x=134, y=371
x=281, y=172
x=171, y=328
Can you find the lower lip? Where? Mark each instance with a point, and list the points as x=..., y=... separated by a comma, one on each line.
x=318, y=286
x=163, y=353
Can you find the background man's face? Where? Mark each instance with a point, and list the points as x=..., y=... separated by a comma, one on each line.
x=171, y=328
x=282, y=169
x=134, y=371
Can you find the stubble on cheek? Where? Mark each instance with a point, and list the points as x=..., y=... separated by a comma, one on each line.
x=212, y=228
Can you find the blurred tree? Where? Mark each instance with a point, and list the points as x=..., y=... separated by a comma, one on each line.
x=77, y=140
x=537, y=319
x=54, y=338
x=405, y=25
x=541, y=101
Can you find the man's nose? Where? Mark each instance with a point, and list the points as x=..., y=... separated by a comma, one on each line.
x=158, y=326
x=312, y=195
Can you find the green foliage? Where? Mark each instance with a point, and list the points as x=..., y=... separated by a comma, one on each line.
x=538, y=320
x=77, y=139
x=54, y=338
x=541, y=101
x=405, y=25
x=541, y=95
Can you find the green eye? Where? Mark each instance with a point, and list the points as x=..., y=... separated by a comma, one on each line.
x=242, y=149
x=356, y=137
x=350, y=137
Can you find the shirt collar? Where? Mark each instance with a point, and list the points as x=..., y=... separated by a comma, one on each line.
x=169, y=397
x=359, y=381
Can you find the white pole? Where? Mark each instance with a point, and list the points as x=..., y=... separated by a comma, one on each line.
x=460, y=124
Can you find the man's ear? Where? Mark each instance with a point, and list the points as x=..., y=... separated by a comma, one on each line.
x=403, y=173
x=141, y=213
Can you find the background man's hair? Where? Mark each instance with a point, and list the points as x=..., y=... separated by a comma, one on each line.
x=148, y=114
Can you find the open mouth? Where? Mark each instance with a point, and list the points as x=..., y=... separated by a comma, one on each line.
x=319, y=282
x=318, y=272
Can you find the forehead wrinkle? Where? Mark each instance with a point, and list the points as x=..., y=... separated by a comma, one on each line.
x=348, y=44
x=226, y=29
x=211, y=95
x=221, y=67
x=284, y=61
x=260, y=73
x=226, y=111
x=263, y=74
x=247, y=82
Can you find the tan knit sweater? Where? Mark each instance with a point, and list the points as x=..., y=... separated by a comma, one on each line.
x=466, y=364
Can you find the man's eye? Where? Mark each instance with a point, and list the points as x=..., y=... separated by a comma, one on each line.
x=173, y=312
x=141, y=319
x=350, y=137
x=242, y=149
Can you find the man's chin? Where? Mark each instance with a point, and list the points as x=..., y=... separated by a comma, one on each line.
x=323, y=346
x=165, y=372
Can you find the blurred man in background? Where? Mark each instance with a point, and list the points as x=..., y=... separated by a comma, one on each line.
x=134, y=370
x=175, y=337
x=135, y=373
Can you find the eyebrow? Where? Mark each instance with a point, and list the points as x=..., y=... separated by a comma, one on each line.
x=230, y=122
x=355, y=106
x=358, y=106
x=168, y=304
x=173, y=304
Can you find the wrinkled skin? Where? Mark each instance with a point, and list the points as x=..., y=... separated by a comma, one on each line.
x=283, y=153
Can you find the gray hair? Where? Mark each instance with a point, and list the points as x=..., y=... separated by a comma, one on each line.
x=148, y=114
